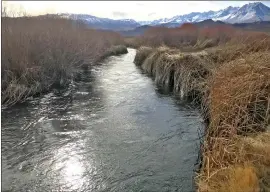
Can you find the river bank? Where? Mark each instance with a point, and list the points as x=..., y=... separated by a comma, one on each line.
x=233, y=91
x=112, y=130
x=41, y=53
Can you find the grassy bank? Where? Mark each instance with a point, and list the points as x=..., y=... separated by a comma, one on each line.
x=39, y=53
x=183, y=73
x=231, y=82
x=236, y=152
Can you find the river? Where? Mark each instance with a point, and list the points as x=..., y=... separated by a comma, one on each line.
x=112, y=130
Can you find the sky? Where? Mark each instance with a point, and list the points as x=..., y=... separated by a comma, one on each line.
x=138, y=10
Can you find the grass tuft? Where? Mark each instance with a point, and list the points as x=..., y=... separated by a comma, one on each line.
x=142, y=54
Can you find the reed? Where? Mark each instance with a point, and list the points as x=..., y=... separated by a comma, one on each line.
x=231, y=81
x=39, y=53
x=184, y=73
x=238, y=134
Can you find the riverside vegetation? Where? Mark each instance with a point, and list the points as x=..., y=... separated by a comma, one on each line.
x=227, y=72
x=39, y=53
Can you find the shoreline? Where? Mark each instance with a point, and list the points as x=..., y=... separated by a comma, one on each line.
x=224, y=152
x=112, y=51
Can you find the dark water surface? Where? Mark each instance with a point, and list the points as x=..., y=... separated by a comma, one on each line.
x=110, y=131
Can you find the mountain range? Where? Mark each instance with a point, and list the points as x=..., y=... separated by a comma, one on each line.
x=261, y=26
x=103, y=23
x=248, y=13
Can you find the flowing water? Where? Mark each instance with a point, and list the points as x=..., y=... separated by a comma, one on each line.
x=112, y=130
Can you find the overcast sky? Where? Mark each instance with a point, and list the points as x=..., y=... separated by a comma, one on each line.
x=138, y=10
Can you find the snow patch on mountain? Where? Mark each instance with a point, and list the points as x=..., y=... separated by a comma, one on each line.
x=248, y=13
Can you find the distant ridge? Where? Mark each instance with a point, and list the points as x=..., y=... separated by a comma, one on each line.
x=249, y=13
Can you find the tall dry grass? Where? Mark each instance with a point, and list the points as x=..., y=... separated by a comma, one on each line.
x=184, y=73
x=132, y=42
x=239, y=95
x=238, y=102
x=191, y=69
x=41, y=52
x=189, y=37
x=232, y=82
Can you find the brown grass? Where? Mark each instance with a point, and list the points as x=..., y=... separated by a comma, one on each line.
x=239, y=99
x=238, y=47
x=150, y=63
x=241, y=179
x=41, y=52
x=231, y=158
x=235, y=179
x=184, y=73
x=239, y=106
x=141, y=54
x=188, y=37
x=132, y=42
x=233, y=84
x=114, y=50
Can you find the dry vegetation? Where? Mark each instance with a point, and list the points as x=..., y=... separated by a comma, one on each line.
x=41, y=52
x=189, y=37
x=231, y=79
x=132, y=42
x=237, y=140
x=184, y=73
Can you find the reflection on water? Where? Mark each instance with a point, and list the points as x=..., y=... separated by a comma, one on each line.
x=112, y=130
x=70, y=166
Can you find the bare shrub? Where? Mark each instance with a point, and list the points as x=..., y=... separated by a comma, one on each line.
x=41, y=52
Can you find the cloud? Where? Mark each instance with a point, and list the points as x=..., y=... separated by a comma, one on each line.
x=119, y=14
x=151, y=14
x=140, y=11
x=139, y=4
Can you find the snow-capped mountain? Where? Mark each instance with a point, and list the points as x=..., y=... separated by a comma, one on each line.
x=103, y=23
x=248, y=13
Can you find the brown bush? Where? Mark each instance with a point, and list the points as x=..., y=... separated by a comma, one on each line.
x=188, y=37
x=236, y=163
x=234, y=81
x=239, y=105
x=240, y=45
x=184, y=73
x=141, y=54
x=40, y=52
x=232, y=77
x=215, y=35
x=239, y=99
x=132, y=42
